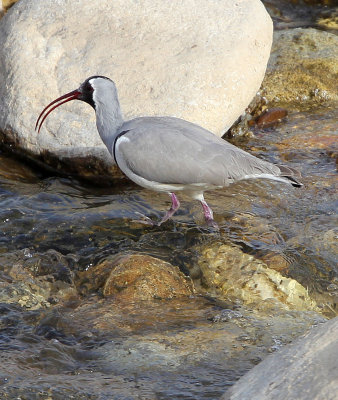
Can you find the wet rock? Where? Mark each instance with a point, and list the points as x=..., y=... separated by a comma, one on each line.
x=324, y=2
x=30, y=296
x=182, y=345
x=232, y=274
x=94, y=317
x=276, y=262
x=302, y=67
x=35, y=280
x=11, y=169
x=178, y=345
x=141, y=277
x=271, y=116
x=6, y=4
x=306, y=369
x=288, y=14
x=329, y=21
x=135, y=277
x=310, y=141
x=93, y=279
x=304, y=136
x=230, y=39
x=323, y=243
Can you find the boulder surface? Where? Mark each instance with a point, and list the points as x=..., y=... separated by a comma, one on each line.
x=306, y=369
x=200, y=60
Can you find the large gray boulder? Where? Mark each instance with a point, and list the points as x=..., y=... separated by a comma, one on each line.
x=201, y=60
x=305, y=370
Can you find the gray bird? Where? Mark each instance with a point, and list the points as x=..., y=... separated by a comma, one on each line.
x=168, y=154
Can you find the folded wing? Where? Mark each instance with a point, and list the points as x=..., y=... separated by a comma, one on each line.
x=174, y=151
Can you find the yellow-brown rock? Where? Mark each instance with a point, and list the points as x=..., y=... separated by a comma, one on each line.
x=8, y=3
x=142, y=277
x=234, y=275
x=302, y=67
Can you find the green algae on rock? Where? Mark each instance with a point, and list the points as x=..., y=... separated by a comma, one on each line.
x=303, y=67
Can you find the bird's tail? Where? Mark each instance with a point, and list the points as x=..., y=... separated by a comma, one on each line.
x=291, y=174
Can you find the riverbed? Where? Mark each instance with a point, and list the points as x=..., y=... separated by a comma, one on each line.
x=75, y=343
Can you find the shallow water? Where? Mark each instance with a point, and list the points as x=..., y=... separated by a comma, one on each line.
x=295, y=14
x=93, y=348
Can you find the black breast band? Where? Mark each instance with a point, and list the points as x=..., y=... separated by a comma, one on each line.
x=118, y=137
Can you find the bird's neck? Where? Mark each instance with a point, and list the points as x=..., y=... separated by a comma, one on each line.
x=108, y=121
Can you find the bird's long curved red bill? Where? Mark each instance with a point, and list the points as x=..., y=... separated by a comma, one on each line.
x=68, y=97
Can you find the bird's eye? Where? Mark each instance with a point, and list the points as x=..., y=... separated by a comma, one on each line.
x=87, y=87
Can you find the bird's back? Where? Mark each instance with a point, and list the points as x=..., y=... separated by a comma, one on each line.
x=171, y=150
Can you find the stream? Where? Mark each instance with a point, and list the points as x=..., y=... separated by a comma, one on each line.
x=76, y=344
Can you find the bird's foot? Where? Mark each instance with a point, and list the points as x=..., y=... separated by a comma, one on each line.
x=213, y=224
x=144, y=220
x=175, y=204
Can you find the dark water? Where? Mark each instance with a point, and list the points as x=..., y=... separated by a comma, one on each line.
x=92, y=348
x=316, y=14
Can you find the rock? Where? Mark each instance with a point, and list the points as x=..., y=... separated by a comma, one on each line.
x=5, y=5
x=35, y=280
x=172, y=348
x=141, y=277
x=302, y=67
x=132, y=277
x=271, y=116
x=12, y=169
x=234, y=275
x=306, y=369
x=198, y=60
x=312, y=140
x=323, y=2
x=93, y=279
x=289, y=14
x=329, y=21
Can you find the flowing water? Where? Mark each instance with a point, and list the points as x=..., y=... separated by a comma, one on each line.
x=92, y=348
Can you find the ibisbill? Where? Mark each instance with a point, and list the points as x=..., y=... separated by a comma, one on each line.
x=168, y=154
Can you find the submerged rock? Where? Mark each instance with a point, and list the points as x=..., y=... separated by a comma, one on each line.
x=35, y=280
x=232, y=274
x=198, y=60
x=306, y=369
x=167, y=348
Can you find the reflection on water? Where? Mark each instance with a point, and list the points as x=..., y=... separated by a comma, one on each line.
x=93, y=347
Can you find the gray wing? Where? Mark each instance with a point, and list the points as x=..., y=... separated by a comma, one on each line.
x=171, y=150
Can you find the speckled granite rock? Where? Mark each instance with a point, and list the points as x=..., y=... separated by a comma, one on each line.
x=306, y=369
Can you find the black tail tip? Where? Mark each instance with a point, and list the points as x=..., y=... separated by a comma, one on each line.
x=293, y=181
x=291, y=174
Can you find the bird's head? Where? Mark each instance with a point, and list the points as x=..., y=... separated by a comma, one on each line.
x=90, y=91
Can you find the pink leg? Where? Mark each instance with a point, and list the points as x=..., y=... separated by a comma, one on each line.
x=208, y=214
x=175, y=205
